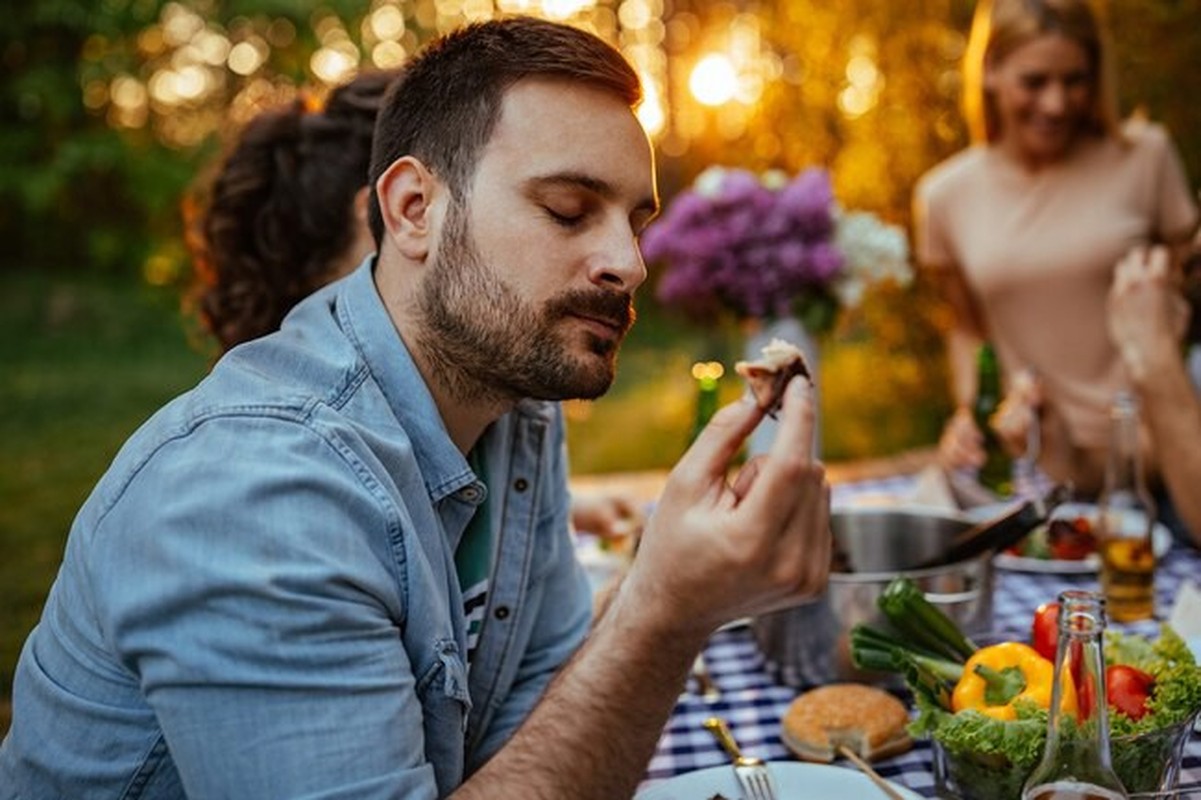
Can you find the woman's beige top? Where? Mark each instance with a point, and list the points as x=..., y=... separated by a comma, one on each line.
x=1037, y=251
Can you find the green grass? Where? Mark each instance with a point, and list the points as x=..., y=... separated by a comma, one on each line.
x=85, y=361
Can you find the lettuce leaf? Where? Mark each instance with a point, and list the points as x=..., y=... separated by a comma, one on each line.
x=1176, y=696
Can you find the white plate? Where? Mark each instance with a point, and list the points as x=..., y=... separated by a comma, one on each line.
x=793, y=779
x=1161, y=543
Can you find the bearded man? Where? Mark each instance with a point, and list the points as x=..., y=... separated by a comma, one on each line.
x=341, y=567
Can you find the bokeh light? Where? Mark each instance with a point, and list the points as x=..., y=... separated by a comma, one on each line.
x=713, y=81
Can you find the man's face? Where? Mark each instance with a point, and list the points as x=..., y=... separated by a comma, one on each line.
x=530, y=290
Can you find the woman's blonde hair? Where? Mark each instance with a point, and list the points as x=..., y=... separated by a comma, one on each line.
x=1000, y=27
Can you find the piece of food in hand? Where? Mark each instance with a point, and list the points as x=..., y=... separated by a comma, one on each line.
x=768, y=375
x=869, y=721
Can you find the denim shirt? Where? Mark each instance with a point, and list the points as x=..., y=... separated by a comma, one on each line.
x=259, y=600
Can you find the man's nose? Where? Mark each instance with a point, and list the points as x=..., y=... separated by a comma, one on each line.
x=619, y=265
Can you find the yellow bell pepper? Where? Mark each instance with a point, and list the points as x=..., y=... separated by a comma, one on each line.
x=995, y=677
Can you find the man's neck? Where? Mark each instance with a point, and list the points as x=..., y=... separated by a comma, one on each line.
x=466, y=408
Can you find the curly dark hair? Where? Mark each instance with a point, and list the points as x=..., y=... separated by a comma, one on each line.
x=273, y=221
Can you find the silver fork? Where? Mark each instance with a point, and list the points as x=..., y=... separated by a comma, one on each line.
x=751, y=772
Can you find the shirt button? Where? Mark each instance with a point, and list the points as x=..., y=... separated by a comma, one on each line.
x=501, y=612
x=521, y=484
x=470, y=494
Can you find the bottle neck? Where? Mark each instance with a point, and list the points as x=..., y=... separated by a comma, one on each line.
x=1125, y=486
x=1125, y=467
x=988, y=373
x=1078, y=743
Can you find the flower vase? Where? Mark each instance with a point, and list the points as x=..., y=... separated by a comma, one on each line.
x=790, y=329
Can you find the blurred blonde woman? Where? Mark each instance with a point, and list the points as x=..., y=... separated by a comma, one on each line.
x=1023, y=228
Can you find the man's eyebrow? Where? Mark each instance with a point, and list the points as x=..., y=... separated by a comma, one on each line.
x=591, y=183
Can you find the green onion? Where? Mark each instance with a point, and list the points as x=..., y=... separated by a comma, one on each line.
x=916, y=618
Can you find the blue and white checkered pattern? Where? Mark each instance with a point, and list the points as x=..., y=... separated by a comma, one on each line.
x=753, y=703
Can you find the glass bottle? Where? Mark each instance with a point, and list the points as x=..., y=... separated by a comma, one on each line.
x=996, y=474
x=1076, y=762
x=708, y=376
x=1125, y=521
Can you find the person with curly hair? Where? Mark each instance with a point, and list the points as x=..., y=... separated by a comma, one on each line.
x=286, y=211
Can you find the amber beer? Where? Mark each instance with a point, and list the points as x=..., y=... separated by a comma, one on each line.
x=1128, y=576
x=1127, y=515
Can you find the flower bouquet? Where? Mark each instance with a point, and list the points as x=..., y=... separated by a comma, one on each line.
x=771, y=246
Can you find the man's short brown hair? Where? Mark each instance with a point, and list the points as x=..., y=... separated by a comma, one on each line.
x=446, y=105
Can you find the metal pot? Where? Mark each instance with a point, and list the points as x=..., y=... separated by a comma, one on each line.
x=809, y=644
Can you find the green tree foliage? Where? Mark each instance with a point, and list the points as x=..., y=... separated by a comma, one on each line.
x=77, y=193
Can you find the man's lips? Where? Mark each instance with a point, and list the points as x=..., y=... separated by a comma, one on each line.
x=613, y=327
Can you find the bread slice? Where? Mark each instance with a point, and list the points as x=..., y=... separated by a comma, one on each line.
x=768, y=375
x=869, y=721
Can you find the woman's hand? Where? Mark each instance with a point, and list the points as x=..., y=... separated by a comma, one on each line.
x=961, y=445
x=1147, y=313
x=1016, y=420
x=611, y=517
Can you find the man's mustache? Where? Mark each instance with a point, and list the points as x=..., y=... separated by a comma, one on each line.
x=616, y=308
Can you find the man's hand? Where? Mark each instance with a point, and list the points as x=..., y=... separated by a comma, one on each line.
x=715, y=551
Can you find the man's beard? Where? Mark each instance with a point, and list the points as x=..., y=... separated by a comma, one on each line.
x=484, y=342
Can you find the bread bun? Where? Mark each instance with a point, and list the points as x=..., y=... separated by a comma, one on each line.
x=869, y=721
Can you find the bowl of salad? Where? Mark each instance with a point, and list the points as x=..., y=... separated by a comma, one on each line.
x=985, y=749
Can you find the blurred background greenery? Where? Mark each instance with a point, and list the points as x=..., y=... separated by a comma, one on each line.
x=112, y=108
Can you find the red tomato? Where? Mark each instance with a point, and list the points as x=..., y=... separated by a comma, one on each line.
x=1128, y=689
x=1044, y=633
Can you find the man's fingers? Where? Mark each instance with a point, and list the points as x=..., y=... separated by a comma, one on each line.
x=791, y=454
x=717, y=444
x=799, y=419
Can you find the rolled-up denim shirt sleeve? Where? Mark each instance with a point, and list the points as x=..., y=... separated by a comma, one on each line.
x=264, y=626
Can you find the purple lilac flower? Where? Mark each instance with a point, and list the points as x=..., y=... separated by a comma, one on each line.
x=731, y=242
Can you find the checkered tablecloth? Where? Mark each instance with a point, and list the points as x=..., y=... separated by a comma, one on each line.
x=753, y=703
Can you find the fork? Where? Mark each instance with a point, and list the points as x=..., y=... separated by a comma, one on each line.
x=751, y=772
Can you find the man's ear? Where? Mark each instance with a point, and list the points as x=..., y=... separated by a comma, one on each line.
x=407, y=191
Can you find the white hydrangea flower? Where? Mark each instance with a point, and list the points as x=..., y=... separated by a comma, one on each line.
x=708, y=183
x=873, y=252
x=775, y=179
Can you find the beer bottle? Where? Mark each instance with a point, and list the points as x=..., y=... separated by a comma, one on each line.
x=996, y=473
x=1126, y=518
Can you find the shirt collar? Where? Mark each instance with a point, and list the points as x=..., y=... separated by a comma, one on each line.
x=365, y=319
